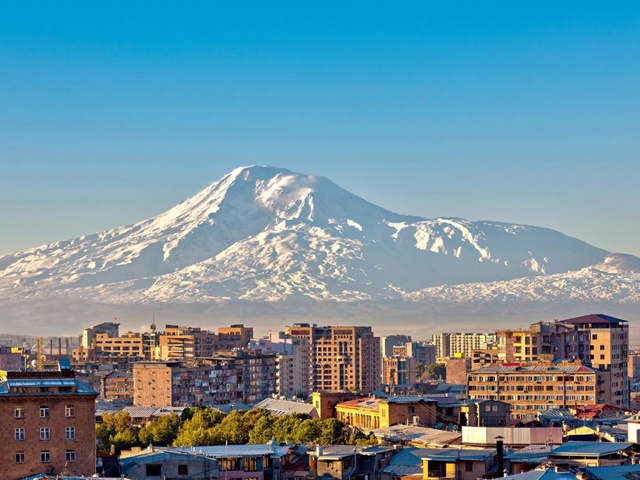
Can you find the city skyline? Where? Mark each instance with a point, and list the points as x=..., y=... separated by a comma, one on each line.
x=513, y=113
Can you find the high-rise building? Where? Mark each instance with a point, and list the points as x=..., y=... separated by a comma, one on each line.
x=423, y=352
x=48, y=424
x=398, y=370
x=245, y=376
x=344, y=357
x=599, y=341
x=602, y=342
x=388, y=342
x=109, y=328
x=461, y=344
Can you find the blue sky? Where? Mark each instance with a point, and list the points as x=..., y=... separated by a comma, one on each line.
x=524, y=112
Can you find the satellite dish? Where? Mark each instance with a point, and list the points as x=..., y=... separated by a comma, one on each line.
x=34, y=363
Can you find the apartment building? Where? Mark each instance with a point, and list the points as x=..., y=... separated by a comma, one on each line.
x=389, y=341
x=48, y=424
x=602, y=342
x=461, y=344
x=183, y=343
x=423, y=352
x=109, y=328
x=599, y=341
x=537, y=386
x=228, y=377
x=399, y=370
x=344, y=357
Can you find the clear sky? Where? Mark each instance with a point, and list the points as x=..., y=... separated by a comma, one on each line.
x=527, y=112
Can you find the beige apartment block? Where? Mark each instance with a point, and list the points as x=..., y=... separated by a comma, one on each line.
x=537, y=386
x=345, y=357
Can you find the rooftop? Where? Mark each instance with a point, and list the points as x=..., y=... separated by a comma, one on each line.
x=595, y=319
x=591, y=449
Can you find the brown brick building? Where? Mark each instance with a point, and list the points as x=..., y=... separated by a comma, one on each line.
x=344, y=357
x=48, y=424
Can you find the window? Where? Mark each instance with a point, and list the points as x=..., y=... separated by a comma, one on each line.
x=44, y=412
x=601, y=357
x=468, y=466
x=154, y=470
x=45, y=456
x=183, y=469
x=18, y=412
x=70, y=433
x=19, y=434
x=71, y=456
x=69, y=411
x=20, y=457
x=601, y=347
x=250, y=464
x=45, y=433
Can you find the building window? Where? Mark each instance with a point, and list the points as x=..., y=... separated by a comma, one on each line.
x=20, y=457
x=250, y=464
x=70, y=433
x=183, y=469
x=44, y=412
x=468, y=466
x=45, y=433
x=71, y=456
x=18, y=412
x=45, y=456
x=601, y=357
x=19, y=434
x=69, y=411
x=154, y=470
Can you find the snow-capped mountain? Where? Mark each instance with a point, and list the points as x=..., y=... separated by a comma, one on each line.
x=268, y=234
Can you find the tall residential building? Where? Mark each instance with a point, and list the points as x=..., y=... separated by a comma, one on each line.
x=344, y=357
x=109, y=328
x=423, y=352
x=388, y=342
x=244, y=376
x=441, y=342
x=599, y=341
x=602, y=342
x=537, y=386
x=398, y=370
x=183, y=343
x=461, y=344
x=633, y=369
x=48, y=424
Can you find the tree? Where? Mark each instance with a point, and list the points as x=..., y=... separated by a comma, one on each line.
x=160, y=431
x=199, y=428
x=307, y=431
x=332, y=432
x=262, y=431
x=124, y=440
x=435, y=371
x=285, y=425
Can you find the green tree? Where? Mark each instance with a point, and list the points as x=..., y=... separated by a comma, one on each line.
x=435, y=371
x=232, y=429
x=161, y=431
x=124, y=439
x=284, y=426
x=307, y=431
x=262, y=431
x=332, y=432
x=199, y=428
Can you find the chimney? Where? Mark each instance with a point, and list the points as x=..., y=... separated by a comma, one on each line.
x=500, y=456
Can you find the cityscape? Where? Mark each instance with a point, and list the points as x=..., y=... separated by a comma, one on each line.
x=316, y=401
x=319, y=240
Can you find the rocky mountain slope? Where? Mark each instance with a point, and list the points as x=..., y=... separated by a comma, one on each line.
x=263, y=234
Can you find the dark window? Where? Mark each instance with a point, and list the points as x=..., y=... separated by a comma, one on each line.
x=154, y=470
x=183, y=469
x=45, y=456
x=468, y=466
x=71, y=456
x=19, y=457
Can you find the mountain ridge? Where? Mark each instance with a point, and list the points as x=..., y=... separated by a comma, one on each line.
x=266, y=234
